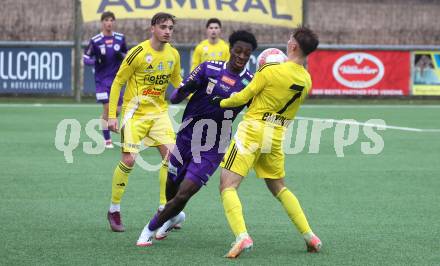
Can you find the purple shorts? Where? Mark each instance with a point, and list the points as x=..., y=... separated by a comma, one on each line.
x=103, y=95
x=197, y=168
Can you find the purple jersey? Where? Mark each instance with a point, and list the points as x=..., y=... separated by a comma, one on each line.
x=191, y=157
x=105, y=53
x=214, y=80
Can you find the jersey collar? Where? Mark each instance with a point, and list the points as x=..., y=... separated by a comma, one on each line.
x=102, y=34
x=241, y=73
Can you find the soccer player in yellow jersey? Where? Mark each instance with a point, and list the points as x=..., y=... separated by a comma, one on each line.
x=213, y=48
x=147, y=70
x=277, y=90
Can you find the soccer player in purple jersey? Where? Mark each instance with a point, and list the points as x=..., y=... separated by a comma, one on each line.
x=105, y=52
x=205, y=132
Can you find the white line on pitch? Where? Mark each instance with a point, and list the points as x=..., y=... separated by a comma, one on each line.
x=181, y=106
x=367, y=124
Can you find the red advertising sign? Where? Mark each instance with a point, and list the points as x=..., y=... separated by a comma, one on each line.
x=359, y=72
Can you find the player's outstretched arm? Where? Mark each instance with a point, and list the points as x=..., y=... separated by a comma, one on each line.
x=244, y=96
x=182, y=92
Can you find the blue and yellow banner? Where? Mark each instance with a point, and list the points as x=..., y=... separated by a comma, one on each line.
x=426, y=73
x=286, y=13
x=36, y=70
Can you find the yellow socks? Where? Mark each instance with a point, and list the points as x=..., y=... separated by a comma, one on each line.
x=163, y=174
x=120, y=181
x=233, y=211
x=294, y=210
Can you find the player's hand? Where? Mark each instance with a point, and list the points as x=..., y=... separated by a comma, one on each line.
x=113, y=124
x=101, y=59
x=120, y=56
x=216, y=100
x=190, y=87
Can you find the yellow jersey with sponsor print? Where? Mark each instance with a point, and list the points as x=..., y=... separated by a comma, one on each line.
x=146, y=73
x=205, y=51
x=277, y=91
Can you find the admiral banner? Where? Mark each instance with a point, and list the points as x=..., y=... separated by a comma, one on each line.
x=360, y=72
x=287, y=13
x=426, y=73
x=35, y=70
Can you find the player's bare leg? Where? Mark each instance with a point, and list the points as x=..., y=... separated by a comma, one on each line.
x=294, y=211
x=163, y=222
x=164, y=151
x=229, y=183
x=175, y=206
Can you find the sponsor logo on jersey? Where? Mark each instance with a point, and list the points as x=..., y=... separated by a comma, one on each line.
x=109, y=41
x=224, y=87
x=210, y=87
x=358, y=70
x=152, y=92
x=156, y=80
x=228, y=80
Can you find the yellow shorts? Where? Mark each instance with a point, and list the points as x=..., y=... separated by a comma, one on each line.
x=256, y=145
x=154, y=131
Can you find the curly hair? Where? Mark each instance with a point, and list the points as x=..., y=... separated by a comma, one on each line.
x=244, y=36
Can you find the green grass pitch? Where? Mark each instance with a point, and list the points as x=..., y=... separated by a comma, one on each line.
x=367, y=209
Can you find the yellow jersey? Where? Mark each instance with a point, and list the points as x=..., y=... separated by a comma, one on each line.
x=206, y=51
x=147, y=73
x=277, y=91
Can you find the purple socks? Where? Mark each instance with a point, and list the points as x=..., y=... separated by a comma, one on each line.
x=106, y=134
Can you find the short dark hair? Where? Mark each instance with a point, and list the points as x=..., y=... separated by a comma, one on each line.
x=107, y=14
x=213, y=20
x=308, y=41
x=244, y=36
x=162, y=16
